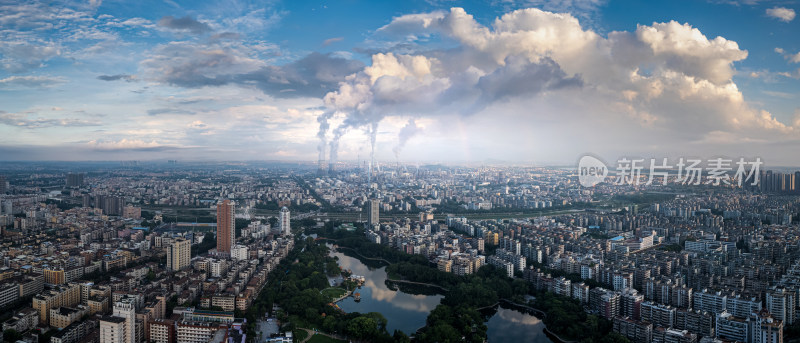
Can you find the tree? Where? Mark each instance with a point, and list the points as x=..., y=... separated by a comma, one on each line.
x=442, y=332
x=362, y=327
x=614, y=337
x=401, y=337
x=241, y=224
x=11, y=335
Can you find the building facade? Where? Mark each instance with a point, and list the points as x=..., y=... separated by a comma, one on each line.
x=226, y=226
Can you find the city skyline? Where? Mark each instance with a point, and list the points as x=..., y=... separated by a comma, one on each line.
x=189, y=252
x=519, y=82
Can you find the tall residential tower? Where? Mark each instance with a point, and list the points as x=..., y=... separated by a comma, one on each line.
x=373, y=216
x=179, y=254
x=285, y=221
x=226, y=226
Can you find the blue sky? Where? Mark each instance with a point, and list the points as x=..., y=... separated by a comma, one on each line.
x=529, y=81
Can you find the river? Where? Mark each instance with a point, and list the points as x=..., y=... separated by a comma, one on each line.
x=407, y=312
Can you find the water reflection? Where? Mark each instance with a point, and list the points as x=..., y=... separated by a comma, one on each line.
x=404, y=312
x=508, y=325
x=407, y=312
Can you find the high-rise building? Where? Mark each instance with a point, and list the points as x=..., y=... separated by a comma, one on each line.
x=162, y=331
x=285, y=221
x=732, y=328
x=766, y=329
x=179, y=254
x=226, y=226
x=74, y=179
x=240, y=253
x=782, y=304
x=797, y=181
x=112, y=330
x=125, y=308
x=8, y=207
x=192, y=332
x=3, y=187
x=373, y=217
x=111, y=205
x=631, y=303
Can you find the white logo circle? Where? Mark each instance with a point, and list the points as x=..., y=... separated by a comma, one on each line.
x=591, y=171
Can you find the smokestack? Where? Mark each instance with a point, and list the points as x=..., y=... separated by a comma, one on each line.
x=322, y=168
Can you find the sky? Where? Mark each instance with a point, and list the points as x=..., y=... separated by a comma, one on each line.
x=517, y=81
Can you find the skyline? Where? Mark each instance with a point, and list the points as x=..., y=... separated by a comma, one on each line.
x=538, y=82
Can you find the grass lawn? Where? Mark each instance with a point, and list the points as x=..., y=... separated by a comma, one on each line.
x=333, y=292
x=324, y=339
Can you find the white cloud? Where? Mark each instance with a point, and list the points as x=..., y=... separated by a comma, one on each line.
x=794, y=58
x=781, y=13
x=21, y=56
x=330, y=41
x=663, y=83
x=125, y=144
x=31, y=81
x=29, y=121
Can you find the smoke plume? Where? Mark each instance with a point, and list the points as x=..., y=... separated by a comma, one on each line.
x=409, y=130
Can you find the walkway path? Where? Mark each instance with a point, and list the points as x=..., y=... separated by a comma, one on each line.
x=311, y=333
x=364, y=257
x=347, y=294
x=418, y=283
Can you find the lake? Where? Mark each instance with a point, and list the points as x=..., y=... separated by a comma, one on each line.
x=404, y=312
x=407, y=312
x=509, y=325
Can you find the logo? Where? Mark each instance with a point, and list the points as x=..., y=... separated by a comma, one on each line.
x=591, y=171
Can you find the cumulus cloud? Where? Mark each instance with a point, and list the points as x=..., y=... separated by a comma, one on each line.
x=185, y=24
x=667, y=79
x=683, y=48
x=781, y=13
x=584, y=9
x=419, y=85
